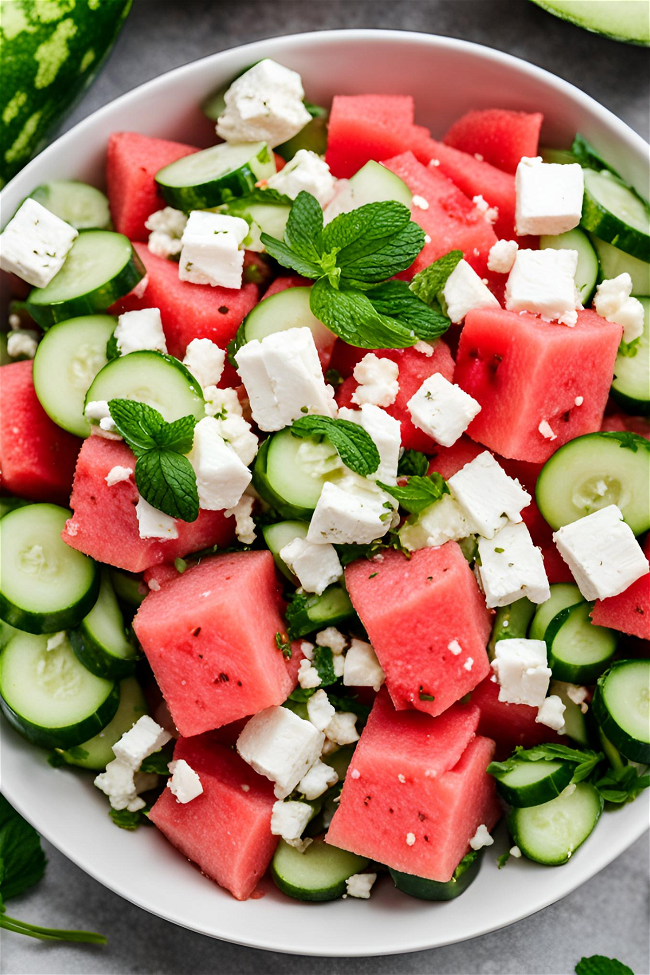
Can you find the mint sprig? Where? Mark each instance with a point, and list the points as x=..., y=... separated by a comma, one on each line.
x=429, y=282
x=354, y=445
x=630, y=441
x=412, y=462
x=622, y=784
x=585, y=760
x=601, y=965
x=418, y=493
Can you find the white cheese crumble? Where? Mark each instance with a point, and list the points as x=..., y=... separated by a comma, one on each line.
x=122, y=784
x=118, y=474
x=455, y=647
x=307, y=172
x=332, y=638
x=522, y=672
x=349, y=510
x=153, y=523
x=420, y=202
x=548, y=196
x=319, y=710
x=221, y=477
x=360, y=884
x=166, y=226
x=184, y=783
x=35, y=243
x=481, y=838
x=487, y=496
x=141, y=330
x=224, y=406
x=342, y=728
x=212, y=250
x=316, y=566
x=362, y=668
x=386, y=433
x=612, y=301
x=515, y=852
x=264, y=104
x=377, y=378
x=441, y=522
x=288, y=819
x=205, y=360
x=464, y=290
x=141, y=741
x=318, y=780
x=56, y=640
x=21, y=345
x=490, y=214
x=551, y=713
x=469, y=663
x=442, y=409
x=546, y=430
x=502, y=256
x=543, y=283
x=244, y=524
x=410, y=839
x=308, y=676
x=281, y=746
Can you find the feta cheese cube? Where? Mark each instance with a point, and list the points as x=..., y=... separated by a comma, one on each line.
x=486, y=495
x=21, y=345
x=184, y=782
x=244, y=523
x=360, y=885
x=441, y=522
x=332, y=638
x=283, y=378
x=224, y=406
x=211, y=252
x=543, y=283
x=221, y=477
x=512, y=567
x=350, y=510
x=613, y=302
x=548, y=196
x=377, y=378
x=442, y=410
x=502, y=256
x=139, y=330
x=35, y=244
x=264, y=104
x=308, y=676
x=118, y=783
x=320, y=710
x=362, y=668
x=481, y=838
x=342, y=728
x=118, y=474
x=288, y=819
x=141, y=741
x=281, y=746
x=153, y=523
x=489, y=214
x=318, y=780
x=205, y=360
x=166, y=226
x=317, y=566
x=602, y=553
x=522, y=671
x=551, y=713
x=385, y=431
x=464, y=290
x=306, y=171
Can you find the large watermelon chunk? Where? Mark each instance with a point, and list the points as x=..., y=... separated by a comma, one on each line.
x=628, y=612
x=509, y=724
x=500, y=136
x=448, y=460
x=413, y=610
x=284, y=282
x=363, y=127
x=210, y=637
x=188, y=311
x=451, y=219
x=37, y=458
x=132, y=161
x=421, y=790
x=523, y=370
x=104, y=524
x=226, y=830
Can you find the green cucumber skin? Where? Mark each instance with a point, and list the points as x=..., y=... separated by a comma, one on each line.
x=312, y=137
x=562, y=669
x=630, y=748
x=62, y=619
x=314, y=896
x=513, y=829
x=97, y=659
x=290, y=512
x=71, y=735
x=597, y=219
x=208, y=195
x=538, y=792
x=95, y=753
x=302, y=624
x=435, y=890
x=518, y=616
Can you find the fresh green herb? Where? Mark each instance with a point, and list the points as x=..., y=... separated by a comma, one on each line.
x=419, y=492
x=412, y=462
x=354, y=445
x=56, y=759
x=324, y=664
x=334, y=377
x=630, y=349
x=350, y=553
x=503, y=859
x=469, y=548
x=499, y=551
x=344, y=702
x=282, y=643
x=429, y=282
x=158, y=762
x=585, y=761
x=424, y=696
x=630, y=441
x=257, y=195
x=302, y=694
x=600, y=965
x=372, y=575
x=112, y=351
x=180, y=565
x=128, y=820
x=622, y=784
x=589, y=157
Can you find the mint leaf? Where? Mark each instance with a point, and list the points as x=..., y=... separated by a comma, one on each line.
x=503, y=859
x=178, y=435
x=139, y=424
x=630, y=441
x=601, y=965
x=22, y=861
x=258, y=194
x=589, y=157
x=584, y=759
x=396, y=299
x=412, y=462
x=374, y=241
x=157, y=762
x=428, y=283
x=622, y=784
x=323, y=663
x=167, y=481
x=304, y=230
x=283, y=644
x=289, y=258
x=354, y=445
x=351, y=315
x=128, y=820
x=418, y=493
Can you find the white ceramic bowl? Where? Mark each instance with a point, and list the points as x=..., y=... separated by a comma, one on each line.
x=447, y=77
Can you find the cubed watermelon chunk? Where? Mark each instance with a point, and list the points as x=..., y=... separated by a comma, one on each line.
x=284, y=282
x=363, y=127
x=509, y=724
x=132, y=161
x=621, y=421
x=37, y=458
x=500, y=136
x=523, y=370
x=628, y=612
x=417, y=612
x=421, y=790
x=451, y=220
x=210, y=637
x=104, y=524
x=448, y=460
x=226, y=830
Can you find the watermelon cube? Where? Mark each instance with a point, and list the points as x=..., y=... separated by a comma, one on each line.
x=427, y=620
x=509, y=724
x=501, y=137
x=226, y=830
x=132, y=161
x=448, y=460
x=37, y=458
x=523, y=371
x=418, y=790
x=363, y=127
x=210, y=637
x=104, y=523
x=628, y=612
x=284, y=282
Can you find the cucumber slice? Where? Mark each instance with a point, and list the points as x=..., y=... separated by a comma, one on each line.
x=575, y=723
x=80, y=205
x=153, y=378
x=612, y=754
x=578, y=651
x=614, y=262
x=631, y=385
x=67, y=360
x=589, y=473
x=286, y=480
x=7, y=633
x=564, y=157
x=551, y=832
x=262, y=218
x=532, y=783
x=613, y=212
x=212, y=176
x=97, y=752
x=318, y=874
x=100, y=268
x=511, y=622
x=284, y=310
x=435, y=890
x=312, y=137
x=46, y=585
x=622, y=21
x=129, y=589
x=373, y=183
x=621, y=706
x=100, y=641
x=280, y=534
x=586, y=274
x=563, y=594
x=306, y=614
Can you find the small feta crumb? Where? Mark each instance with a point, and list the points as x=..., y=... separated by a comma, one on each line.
x=307, y=649
x=319, y=710
x=386, y=433
x=317, y=780
x=184, y=783
x=548, y=196
x=522, y=671
x=205, y=360
x=469, y=663
x=612, y=301
x=122, y=785
x=338, y=665
x=56, y=640
x=442, y=409
x=576, y=693
x=316, y=566
x=307, y=172
x=464, y=290
x=427, y=239
x=515, y=852
x=308, y=676
x=118, y=474
x=244, y=524
x=98, y=410
x=490, y=214
x=332, y=638
x=455, y=647
x=141, y=330
x=281, y=746
x=420, y=202
x=579, y=400
x=14, y=322
x=487, y=496
x=21, y=345
x=166, y=226
x=224, y=406
x=410, y=839
x=543, y=283
x=360, y=884
x=377, y=378
x=153, y=523
x=35, y=243
x=289, y=819
x=154, y=585
x=424, y=347
x=355, y=774
x=212, y=251
x=245, y=787
x=546, y=430
x=551, y=713
x=481, y=838
x=342, y=728
x=141, y=741
x=401, y=778
x=502, y=256
x=362, y=668
x=264, y=104
x=479, y=157
x=221, y=477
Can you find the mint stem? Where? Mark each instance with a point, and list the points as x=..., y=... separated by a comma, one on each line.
x=49, y=934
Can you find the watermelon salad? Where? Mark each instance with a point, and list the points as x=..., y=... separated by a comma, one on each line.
x=326, y=473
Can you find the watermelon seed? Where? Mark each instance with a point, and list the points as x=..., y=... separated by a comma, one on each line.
x=223, y=678
x=196, y=631
x=223, y=309
x=421, y=817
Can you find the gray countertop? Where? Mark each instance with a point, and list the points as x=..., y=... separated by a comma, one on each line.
x=608, y=915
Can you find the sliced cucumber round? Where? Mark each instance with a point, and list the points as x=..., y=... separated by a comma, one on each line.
x=551, y=832
x=563, y=594
x=67, y=360
x=318, y=874
x=575, y=723
x=631, y=385
x=586, y=274
x=280, y=534
x=621, y=706
x=578, y=650
x=153, y=378
x=49, y=696
x=612, y=754
x=82, y=206
x=373, y=183
x=591, y=472
x=262, y=218
x=614, y=262
x=288, y=483
x=100, y=268
x=564, y=157
x=436, y=890
x=532, y=783
x=331, y=608
x=7, y=633
x=100, y=641
x=216, y=175
x=97, y=752
x=128, y=588
x=10, y=504
x=46, y=586
x=511, y=622
x=284, y=310
x=614, y=212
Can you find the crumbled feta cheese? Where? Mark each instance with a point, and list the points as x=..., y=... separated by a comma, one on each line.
x=264, y=104
x=320, y=710
x=306, y=171
x=21, y=345
x=386, y=433
x=14, y=322
x=579, y=400
x=410, y=839
x=487, y=496
x=360, y=884
x=141, y=741
x=426, y=348
x=521, y=670
x=502, y=256
x=153, y=523
x=377, y=378
x=551, y=713
x=288, y=819
x=362, y=668
x=140, y=330
x=318, y=780
x=224, y=406
x=221, y=477
x=464, y=290
x=352, y=509
x=97, y=410
x=490, y=214
x=546, y=430
x=166, y=226
x=307, y=649
x=35, y=244
x=308, y=676
x=283, y=378
x=442, y=410
x=184, y=782
x=281, y=746
x=602, y=553
x=613, y=302
x=118, y=474
x=455, y=648
x=317, y=459
x=317, y=566
x=122, y=785
x=441, y=522
x=469, y=663
x=548, y=196
x=56, y=640
x=212, y=252
x=342, y=727
x=576, y=693
x=420, y=202
x=244, y=524
x=205, y=360
x=332, y=638
x=481, y=838
x=515, y=852
x=543, y=283
x=511, y=567
x=338, y=665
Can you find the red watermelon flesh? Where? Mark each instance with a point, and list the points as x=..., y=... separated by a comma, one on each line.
x=509, y=724
x=283, y=283
x=416, y=775
x=500, y=136
x=628, y=612
x=132, y=161
x=412, y=610
x=448, y=460
x=451, y=220
x=363, y=127
x=523, y=370
x=542, y=535
x=621, y=422
x=226, y=830
x=210, y=638
x=104, y=524
x=188, y=311
x=37, y=458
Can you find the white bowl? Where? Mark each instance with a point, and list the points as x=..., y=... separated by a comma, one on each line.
x=447, y=77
